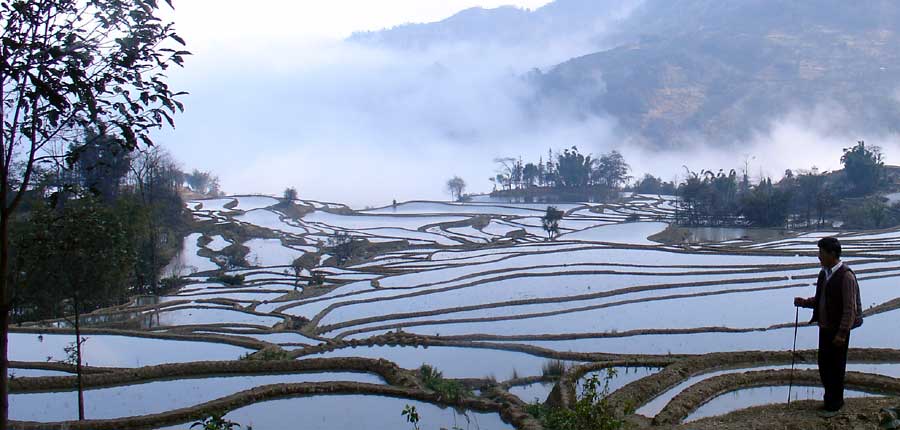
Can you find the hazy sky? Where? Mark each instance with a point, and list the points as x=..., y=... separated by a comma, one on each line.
x=274, y=88
x=204, y=20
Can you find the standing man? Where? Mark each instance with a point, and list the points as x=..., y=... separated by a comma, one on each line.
x=837, y=309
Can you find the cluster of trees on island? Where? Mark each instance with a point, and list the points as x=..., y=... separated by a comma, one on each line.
x=799, y=199
x=568, y=172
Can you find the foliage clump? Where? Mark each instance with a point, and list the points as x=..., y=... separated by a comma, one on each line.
x=553, y=368
x=591, y=411
x=217, y=422
x=236, y=279
x=268, y=354
x=343, y=246
x=550, y=221
x=449, y=390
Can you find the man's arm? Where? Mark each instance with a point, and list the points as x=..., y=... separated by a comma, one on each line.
x=849, y=292
x=809, y=303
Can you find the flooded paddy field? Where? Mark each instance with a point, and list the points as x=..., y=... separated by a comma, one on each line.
x=290, y=333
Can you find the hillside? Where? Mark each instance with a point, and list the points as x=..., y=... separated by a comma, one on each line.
x=505, y=25
x=717, y=71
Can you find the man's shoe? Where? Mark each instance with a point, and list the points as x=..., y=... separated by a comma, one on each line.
x=829, y=414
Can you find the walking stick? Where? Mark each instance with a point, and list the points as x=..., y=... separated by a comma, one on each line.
x=794, y=352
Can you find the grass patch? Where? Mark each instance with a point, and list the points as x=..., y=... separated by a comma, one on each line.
x=448, y=389
x=269, y=354
x=554, y=369
x=229, y=279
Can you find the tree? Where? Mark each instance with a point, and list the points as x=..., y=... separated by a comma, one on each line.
x=343, y=246
x=157, y=179
x=456, y=186
x=100, y=165
x=766, y=205
x=530, y=173
x=550, y=221
x=650, y=184
x=93, y=242
x=68, y=66
x=864, y=167
x=612, y=170
x=871, y=212
x=290, y=194
x=508, y=171
x=811, y=196
x=199, y=181
x=574, y=168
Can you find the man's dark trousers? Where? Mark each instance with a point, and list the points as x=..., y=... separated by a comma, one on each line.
x=832, y=368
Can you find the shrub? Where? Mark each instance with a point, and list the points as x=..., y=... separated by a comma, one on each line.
x=290, y=194
x=412, y=416
x=590, y=412
x=172, y=283
x=216, y=422
x=553, y=369
x=268, y=354
x=449, y=390
x=343, y=246
x=869, y=213
x=317, y=278
x=226, y=279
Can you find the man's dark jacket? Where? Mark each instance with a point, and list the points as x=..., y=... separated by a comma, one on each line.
x=843, y=307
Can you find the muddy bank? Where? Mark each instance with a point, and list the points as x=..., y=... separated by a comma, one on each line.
x=858, y=414
x=390, y=372
x=695, y=396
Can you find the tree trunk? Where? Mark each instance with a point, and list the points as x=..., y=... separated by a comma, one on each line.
x=4, y=363
x=78, y=360
x=4, y=318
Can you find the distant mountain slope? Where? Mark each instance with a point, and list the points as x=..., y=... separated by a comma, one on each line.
x=727, y=69
x=504, y=25
x=711, y=69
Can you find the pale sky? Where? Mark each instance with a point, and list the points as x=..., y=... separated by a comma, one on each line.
x=203, y=20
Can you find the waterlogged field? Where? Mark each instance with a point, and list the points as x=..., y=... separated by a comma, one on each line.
x=474, y=290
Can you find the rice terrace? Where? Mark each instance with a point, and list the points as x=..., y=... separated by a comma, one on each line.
x=450, y=214
x=474, y=290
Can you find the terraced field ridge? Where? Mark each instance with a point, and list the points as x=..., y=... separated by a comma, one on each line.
x=267, y=327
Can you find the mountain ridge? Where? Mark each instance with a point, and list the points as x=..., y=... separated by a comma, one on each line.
x=705, y=69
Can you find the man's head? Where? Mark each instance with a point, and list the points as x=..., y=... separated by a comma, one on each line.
x=829, y=251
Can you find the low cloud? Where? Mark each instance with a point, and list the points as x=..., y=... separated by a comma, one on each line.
x=362, y=125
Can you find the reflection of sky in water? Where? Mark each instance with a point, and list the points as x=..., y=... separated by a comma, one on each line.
x=119, y=351
x=250, y=203
x=760, y=396
x=623, y=377
x=353, y=412
x=738, y=310
x=656, y=405
x=187, y=261
x=270, y=252
x=376, y=221
x=436, y=208
x=196, y=316
x=270, y=220
x=879, y=331
x=32, y=373
x=155, y=397
x=454, y=362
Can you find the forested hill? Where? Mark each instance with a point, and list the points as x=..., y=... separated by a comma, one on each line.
x=719, y=70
